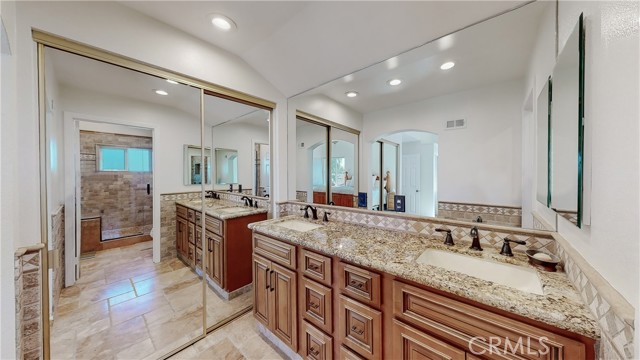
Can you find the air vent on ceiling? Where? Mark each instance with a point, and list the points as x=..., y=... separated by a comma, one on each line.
x=455, y=124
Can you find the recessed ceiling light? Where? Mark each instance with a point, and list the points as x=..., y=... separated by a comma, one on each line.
x=351, y=94
x=448, y=65
x=394, y=82
x=172, y=82
x=222, y=22
x=161, y=92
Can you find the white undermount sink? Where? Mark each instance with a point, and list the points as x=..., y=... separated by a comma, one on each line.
x=298, y=225
x=234, y=210
x=513, y=276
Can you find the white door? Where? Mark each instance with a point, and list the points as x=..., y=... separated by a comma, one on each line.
x=411, y=182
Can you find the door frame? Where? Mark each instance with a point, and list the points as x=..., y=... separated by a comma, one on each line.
x=73, y=213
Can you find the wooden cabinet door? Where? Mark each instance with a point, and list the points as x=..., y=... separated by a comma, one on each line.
x=316, y=304
x=283, y=308
x=360, y=328
x=315, y=344
x=410, y=344
x=261, y=289
x=217, y=261
x=181, y=233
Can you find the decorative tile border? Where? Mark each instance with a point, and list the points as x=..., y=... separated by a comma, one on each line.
x=490, y=235
x=615, y=316
x=58, y=236
x=490, y=214
x=28, y=275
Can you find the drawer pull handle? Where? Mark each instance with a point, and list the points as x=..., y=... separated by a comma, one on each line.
x=314, y=267
x=314, y=305
x=357, y=284
x=267, y=277
x=271, y=280
x=314, y=351
x=357, y=330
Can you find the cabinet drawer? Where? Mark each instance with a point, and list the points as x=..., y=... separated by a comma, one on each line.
x=316, y=304
x=360, y=328
x=198, y=217
x=361, y=284
x=214, y=225
x=275, y=250
x=191, y=254
x=459, y=323
x=199, y=258
x=182, y=212
x=191, y=215
x=198, y=241
x=346, y=354
x=316, y=266
x=315, y=344
x=410, y=344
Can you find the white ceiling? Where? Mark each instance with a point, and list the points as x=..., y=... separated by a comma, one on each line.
x=299, y=45
x=92, y=75
x=494, y=51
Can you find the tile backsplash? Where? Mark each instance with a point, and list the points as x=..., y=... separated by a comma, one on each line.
x=490, y=214
x=28, y=287
x=490, y=235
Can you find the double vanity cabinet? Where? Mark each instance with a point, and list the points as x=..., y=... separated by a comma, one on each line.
x=228, y=239
x=324, y=304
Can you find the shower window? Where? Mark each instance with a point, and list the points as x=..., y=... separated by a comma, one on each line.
x=123, y=159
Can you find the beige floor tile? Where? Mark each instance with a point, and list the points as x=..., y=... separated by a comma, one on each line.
x=137, y=351
x=107, y=343
x=122, y=298
x=138, y=306
x=106, y=291
x=223, y=349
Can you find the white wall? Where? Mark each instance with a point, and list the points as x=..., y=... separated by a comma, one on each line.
x=241, y=137
x=173, y=129
x=9, y=140
x=326, y=108
x=610, y=244
x=476, y=164
x=426, y=197
x=130, y=34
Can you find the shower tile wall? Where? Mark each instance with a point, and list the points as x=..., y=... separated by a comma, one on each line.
x=119, y=198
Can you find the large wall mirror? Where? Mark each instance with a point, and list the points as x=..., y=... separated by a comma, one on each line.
x=115, y=142
x=440, y=125
x=567, y=128
x=327, y=156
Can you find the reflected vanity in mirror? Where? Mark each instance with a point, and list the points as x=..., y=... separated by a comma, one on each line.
x=226, y=166
x=194, y=168
x=567, y=129
x=440, y=127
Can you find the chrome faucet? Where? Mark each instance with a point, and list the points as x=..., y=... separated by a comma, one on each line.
x=314, y=212
x=475, y=243
x=247, y=201
x=506, y=248
x=449, y=239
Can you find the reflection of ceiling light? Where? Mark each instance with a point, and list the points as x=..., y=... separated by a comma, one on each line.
x=448, y=65
x=394, y=82
x=222, y=22
x=351, y=94
x=172, y=82
x=161, y=92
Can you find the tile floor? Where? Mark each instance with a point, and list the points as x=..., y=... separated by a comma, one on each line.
x=124, y=306
x=236, y=340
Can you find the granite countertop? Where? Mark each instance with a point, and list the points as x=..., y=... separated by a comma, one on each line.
x=222, y=209
x=395, y=252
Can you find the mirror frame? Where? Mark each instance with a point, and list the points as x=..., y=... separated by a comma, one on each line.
x=44, y=40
